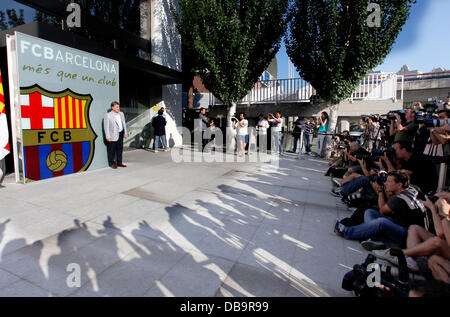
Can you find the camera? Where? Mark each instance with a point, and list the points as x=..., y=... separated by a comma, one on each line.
x=342, y=145
x=380, y=179
x=429, y=121
x=395, y=279
x=377, y=154
x=391, y=115
x=431, y=196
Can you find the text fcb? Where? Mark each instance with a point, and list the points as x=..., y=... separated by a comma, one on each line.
x=57, y=136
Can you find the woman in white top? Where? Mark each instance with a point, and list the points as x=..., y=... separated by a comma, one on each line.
x=263, y=125
x=242, y=132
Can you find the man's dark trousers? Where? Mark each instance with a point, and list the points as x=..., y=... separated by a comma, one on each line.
x=115, y=150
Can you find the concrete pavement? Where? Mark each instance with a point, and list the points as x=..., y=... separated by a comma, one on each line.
x=160, y=228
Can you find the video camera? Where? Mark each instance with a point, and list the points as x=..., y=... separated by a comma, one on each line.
x=377, y=154
x=394, y=279
x=391, y=115
x=429, y=120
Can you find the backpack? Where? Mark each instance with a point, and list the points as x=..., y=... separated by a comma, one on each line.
x=410, y=197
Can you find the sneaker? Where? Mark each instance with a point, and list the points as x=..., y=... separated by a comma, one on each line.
x=338, y=228
x=370, y=245
x=386, y=255
x=156, y=151
x=335, y=182
x=336, y=192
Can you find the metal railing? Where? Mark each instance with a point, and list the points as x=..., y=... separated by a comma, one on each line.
x=275, y=91
x=381, y=86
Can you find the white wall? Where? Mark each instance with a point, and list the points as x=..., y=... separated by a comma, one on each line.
x=166, y=51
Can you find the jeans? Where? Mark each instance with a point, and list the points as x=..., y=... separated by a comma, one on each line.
x=277, y=141
x=307, y=138
x=296, y=139
x=163, y=140
x=356, y=184
x=377, y=227
x=319, y=143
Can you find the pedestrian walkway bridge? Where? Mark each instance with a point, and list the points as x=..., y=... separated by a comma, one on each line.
x=376, y=86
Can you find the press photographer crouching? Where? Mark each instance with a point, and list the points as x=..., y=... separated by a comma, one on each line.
x=349, y=162
x=398, y=208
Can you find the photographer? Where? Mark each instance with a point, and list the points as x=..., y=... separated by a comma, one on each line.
x=421, y=242
x=322, y=125
x=391, y=222
x=407, y=131
x=241, y=125
x=421, y=170
x=276, y=131
x=297, y=132
x=309, y=134
x=438, y=148
x=351, y=155
x=371, y=134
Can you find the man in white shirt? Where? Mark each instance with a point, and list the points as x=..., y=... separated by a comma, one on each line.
x=277, y=135
x=263, y=125
x=242, y=132
x=115, y=131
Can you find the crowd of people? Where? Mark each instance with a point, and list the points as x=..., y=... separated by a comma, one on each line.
x=389, y=179
x=270, y=132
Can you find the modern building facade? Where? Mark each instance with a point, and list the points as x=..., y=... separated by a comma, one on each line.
x=149, y=80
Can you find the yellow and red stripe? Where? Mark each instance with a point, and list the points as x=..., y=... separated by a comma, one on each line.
x=69, y=113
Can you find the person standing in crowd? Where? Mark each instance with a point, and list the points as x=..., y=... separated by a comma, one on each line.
x=241, y=125
x=309, y=134
x=405, y=132
x=438, y=152
x=115, y=132
x=263, y=125
x=205, y=124
x=322, y=124
x=276, y=131
x=159, y=125
x=212, y=136
x=297, y=132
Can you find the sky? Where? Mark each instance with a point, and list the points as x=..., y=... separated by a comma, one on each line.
x=423, y=43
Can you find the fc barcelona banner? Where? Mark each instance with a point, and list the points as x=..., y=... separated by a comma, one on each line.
x=63, y=96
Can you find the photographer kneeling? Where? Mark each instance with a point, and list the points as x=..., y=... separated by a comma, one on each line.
x=389, y=224
x=350, y=161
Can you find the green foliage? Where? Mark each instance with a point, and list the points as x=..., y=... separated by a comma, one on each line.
x=229, y=43
x=332, y=45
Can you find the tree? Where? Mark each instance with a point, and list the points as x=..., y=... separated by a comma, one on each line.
x=230, y=42
x=334, y=43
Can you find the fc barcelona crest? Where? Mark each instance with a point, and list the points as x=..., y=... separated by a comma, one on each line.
x=57, y=136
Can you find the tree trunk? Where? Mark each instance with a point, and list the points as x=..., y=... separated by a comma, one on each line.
x=332, y=122
x=231, y=133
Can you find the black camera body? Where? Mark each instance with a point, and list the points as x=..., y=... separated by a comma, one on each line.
x=377, y=154
x=380, y=179
x=356, y=279
x=431, y=196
